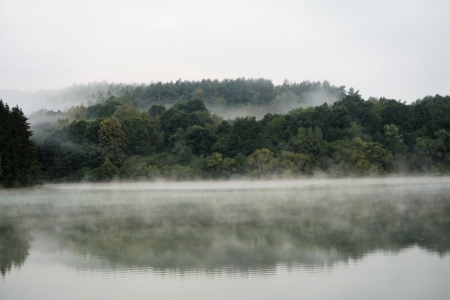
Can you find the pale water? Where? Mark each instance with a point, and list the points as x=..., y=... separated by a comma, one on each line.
x=321, y=239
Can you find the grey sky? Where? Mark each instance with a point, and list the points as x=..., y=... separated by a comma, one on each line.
x=398, y=49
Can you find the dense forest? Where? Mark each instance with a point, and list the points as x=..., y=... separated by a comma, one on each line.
x=229, y=93
x=17, y=150
x=169, y=131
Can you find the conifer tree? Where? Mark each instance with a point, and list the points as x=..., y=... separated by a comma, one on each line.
x=112, y=140
x=17, y=150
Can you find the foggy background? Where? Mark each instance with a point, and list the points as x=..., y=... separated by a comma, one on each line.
x=396, y=49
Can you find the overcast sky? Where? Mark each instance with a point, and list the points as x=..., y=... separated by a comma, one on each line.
x=397, y=49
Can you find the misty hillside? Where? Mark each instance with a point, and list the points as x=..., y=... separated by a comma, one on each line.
x=229, y=97
x=231, y=93
x=351, y=137
x=229, y=129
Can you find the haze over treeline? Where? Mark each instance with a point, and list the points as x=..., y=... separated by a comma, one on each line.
x=233, y=94
x=238, y=128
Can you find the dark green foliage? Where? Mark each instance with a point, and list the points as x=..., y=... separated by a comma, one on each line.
x=17, y=150
x=191, y=106
x=200, y=140
x=224, y=128
x=77, y=131
x=105, y=172
x=349, y=136
x=432, y=112
x=111, y=141
x=235, y=92
x=393, y=140
x=308, y=141
x=68, y=157
x=246, y=136
x=91, y=132
x=156, y=110
x=174, y=119
x=104, y=110
x=276, y=131
x=143, y=136
x=238, y=92
x=14, y=245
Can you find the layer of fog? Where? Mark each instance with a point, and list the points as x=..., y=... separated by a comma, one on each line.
x=345, y=184
x=282, y=104
x=236, y=226
x=54, y=100
x=46, y=106
x=31, y=102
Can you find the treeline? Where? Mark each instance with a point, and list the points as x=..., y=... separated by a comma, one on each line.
x=229, y=92
x=17, y=150
x=350, y=137
x=222, y=94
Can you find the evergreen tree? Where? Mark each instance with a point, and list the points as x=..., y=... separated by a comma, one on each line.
x=112, y=140
x=17, y=151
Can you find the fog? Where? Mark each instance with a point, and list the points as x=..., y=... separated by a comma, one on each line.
x=232, y=227
x=44, y=108
x=60, y=99
x=35, y=101
x=345, y=185
x=28, y=102
x=394, y=49
x=282, y=104
x=56, y=58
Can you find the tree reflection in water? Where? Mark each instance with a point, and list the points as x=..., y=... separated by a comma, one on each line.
x=14, y=246
x=240, y=232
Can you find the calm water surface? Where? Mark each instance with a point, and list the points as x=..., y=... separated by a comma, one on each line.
x=324, y=239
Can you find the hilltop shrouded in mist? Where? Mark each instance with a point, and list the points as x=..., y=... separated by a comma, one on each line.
x=396, y=48
x=239, y=128
x=167, y=131
x=229, y=97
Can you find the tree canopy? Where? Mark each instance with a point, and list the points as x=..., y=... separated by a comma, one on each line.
x=169, y=130
x=17, y=150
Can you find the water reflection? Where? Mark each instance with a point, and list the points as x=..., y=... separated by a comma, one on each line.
x=14, y=246
x=223, y=232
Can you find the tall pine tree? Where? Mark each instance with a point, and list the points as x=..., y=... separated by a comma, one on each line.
x=17, y=150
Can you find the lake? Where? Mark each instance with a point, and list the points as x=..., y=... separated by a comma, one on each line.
x=311, y=239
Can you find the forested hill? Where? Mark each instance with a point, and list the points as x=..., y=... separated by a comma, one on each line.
x=350, y=137
x=229, y=97
x=235, y=91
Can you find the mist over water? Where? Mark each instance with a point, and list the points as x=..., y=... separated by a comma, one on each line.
x=203, y=231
